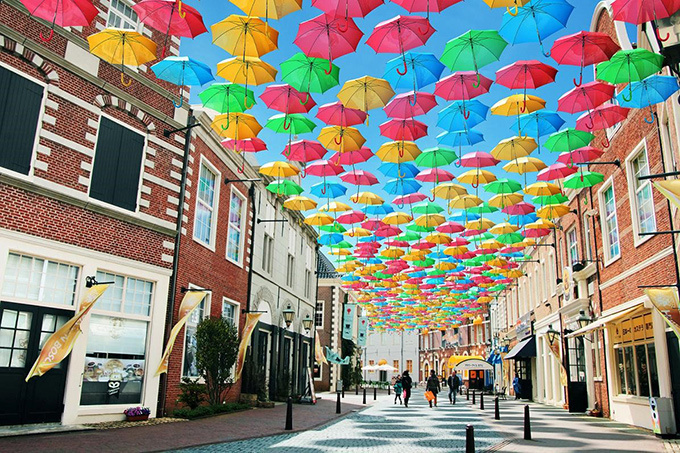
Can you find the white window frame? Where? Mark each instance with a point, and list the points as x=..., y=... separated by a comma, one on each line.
x=237, y=310
x=216, y=198
x=585, y=221
x=632, y=192
x=122, y=312
x=124, y=19
x=267, y=253
x=244, y=214
x=316, y=312
x=206, y=314
x=290, y=270
x=308, y=283
x=603, y=222
x=571, y=246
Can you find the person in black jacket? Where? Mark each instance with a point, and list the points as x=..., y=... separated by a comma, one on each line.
x=433, y=386
x=454, y=384
x=406, y=384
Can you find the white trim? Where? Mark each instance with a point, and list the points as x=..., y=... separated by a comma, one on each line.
x=632, y=192
x=207, y=301
x=638, y=267
x=216, y=197
x=603, y=221
x=244, y=214
x=237, y=310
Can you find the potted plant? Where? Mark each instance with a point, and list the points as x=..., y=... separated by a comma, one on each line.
x=135, y=414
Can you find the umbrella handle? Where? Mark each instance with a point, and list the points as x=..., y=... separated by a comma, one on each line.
x=513, y=14
x=401, y=151
x=628, y=99
x=580, y=80
x=245, y=103
x=303, y=173
x=330, y=68
x=668, y=35
x=523, y=109
x=123, y=82
x=284, y=123
x=415, y=99
x=405, y=69
x=341, y=28
x=163, y=52
x=590, y=126
x=323, y=189
x=243, y=166
x=475, y=185
x=306, y=100
x=49, y=37
x=605, y=142
x=181, y=13
x=338, y=142
x=458, y=163
x=367, y=115
x=466, y=114
x=479, y=81
x=432, y=198
x=399, y=174
x=652, y=120
x=420, y=30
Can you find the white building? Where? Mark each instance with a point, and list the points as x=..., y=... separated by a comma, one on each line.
x=398, y=349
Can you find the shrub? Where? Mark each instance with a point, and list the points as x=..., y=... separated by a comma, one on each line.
x=192, y=393
x=206, y=411
x=216, y=351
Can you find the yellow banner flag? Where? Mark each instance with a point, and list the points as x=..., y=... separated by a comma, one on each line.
x=666, y=302
x=251, y=322
x=670, y=189
x=60, y=343
x=191, y=300
x=556, y=353
x=318, y=351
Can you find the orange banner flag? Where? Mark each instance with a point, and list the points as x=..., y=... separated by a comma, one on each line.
x=554, y=348
x=60, y=343
x=191, y=300
x=251, y=322
x=318, y=351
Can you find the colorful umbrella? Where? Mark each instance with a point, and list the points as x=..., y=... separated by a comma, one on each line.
x=427, y=6
x=237, y=126
x=526, y=74
x=337, y=114
x=507, y=4
x=246, y=70
x=309, y=74
x=182, y=71
x=580, y=156
x=459, y=116
x=227, y=97
x=284, y=187
x=328, y=36
x=403, y=129
x=462, y=85
x=122, y=47
x=304, y=151
x=64, y=13
x=568, y=140
x=352, y=157
x=473, y=50
x=274, y=9
x=586, y=97
x=423, y=69
x=347, y=8
x=408, y=105
x=652, y=90
x=292, y=124
x=640, y=11
x=284, y=98
x=514, y=147
x=399, y=34
x=628, y=66
x=603, y=117
x=583, y=179
x=244, y=36
x=365, y=93
x=582, y=49
x=341, y=139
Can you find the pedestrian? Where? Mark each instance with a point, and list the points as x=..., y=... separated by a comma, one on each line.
x=397, y=390
x=517, y=386
x=454, y=384
x=406, y=383
x=433, y=386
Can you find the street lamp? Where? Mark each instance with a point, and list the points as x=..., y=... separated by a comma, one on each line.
x=552, y=334
x=307, y=323
x=583, y=319
x=288, y=315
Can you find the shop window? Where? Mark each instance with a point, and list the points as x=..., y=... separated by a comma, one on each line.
x=318, y=314
x=409, y=366
x=395, y=364
x=206, y=211
x=39, y=280
x=636, y=357
x=127, y=295
x=189, y=367
x=235, y=229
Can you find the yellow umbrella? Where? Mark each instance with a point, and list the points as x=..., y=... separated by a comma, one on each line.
x=245, y=36
x=507, y=4
x=366, y=198
x=397, y=218
x=491, y=244
x=343, y=139
x=430, y=220
x=527, y=242
x=503, y=228
x=439, y=238
x=540, y=224
x=246, y=70
x=345, y=268
x=340, y=252
x=274, y=9
x=477, y=177
x=518, y=104
x=279, y=169
x=375, y=268
x=481, y=224
x=465, y=201
x=541, y=188
x=237, y=126
x=319, y=219
x=365, y=93
x=523, y=165
x=122, y=47
x=497, y=262
x=357, y=232
x=335, y=206
x=513, y=273
x=553, y=211
x=448, y=190
x=514, y=147
x=445, y=266
x=299, y=203
x=398, y=152
x=392, y=252
x=505, y=199
x=415, y=255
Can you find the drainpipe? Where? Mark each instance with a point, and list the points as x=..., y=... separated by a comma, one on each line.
x=251, y=195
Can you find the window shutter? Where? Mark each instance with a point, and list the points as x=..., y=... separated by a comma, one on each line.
x=20, y=104
x=129, y=168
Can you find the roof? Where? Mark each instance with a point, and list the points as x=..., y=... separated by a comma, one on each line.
x=325, y=267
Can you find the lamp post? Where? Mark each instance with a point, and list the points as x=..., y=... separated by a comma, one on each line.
x=288, y=315
x=307, y=323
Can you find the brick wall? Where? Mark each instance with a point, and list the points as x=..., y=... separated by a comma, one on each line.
x=325, y=294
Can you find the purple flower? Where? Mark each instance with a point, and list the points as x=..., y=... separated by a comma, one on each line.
x=136, y=411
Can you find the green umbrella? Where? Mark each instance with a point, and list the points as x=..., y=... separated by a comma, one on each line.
x=284, y=187
x=297, y=124
x=483, y=208
x=502, y=186
x=628, y=66
x=583, y=179
x=408, y=236
x=473, y=50
x=334, y=227
x=345, y=259
x=499, y=287
x=308, y=74
x=480, y=237
x=435, y=157
x=424, y=263
x=420, y=229
x=510, y=238
x=341, y=245
x=568, y=140
x=427, y=208
x=227, y=98
x=436, y=273
x=549, y=199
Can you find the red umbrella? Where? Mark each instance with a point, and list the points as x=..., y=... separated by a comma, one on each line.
x=586, y=97
x=352, y=157
x=536, y=232
x=371, y=224
x=359, y=178
x=555, y=171
x=347, y=8
x=640, y=11
x=247, y=145
x=419, y=6
x=521, y=208
x=400, y=34
x=286, y=99
x=402, y=244
x=324, y=168
x=408, y=105
x=407, y=129
x=172, y=17
x=435, y=175
x=337, y=114
x=582, y=49
x=580, y=156
x=64, y=13
x=450, y=227
x=328, y=36
x=387, y=231
x=423, y=244
x=411, y=198
x=526, y=74
x=351, y=217
x=478, y=159
x=304, y=151
x=602, y=117
x=461, y=85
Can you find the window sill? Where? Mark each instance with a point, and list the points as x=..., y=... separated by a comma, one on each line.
x=598, y=379
x=238, y=263
x=639, y=240
x=631, y=399
x=203, y=244
x=608, y=262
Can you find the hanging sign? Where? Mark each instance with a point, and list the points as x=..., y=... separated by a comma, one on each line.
x=362, y=331
x=665, y=301
x=554, y=349
x=348, y=321
x=251, y=322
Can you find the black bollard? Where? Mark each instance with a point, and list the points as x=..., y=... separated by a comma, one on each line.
x=375, y=393
x=364, y=395
x=289, y=414
x=356, y=390
x=497, y=411
x=388, y=390
x=527, y=423
x=481, y=401
x=474, y=394
x=469, y=439
x=468, y=394
x=338, y=410
x=343, y=391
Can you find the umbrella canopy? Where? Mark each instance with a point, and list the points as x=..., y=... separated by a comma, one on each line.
x=408, y=105
x=422, y=69
x=365, y=93
x=122, y=47
x=336, y=114
x=582, y=49
x=309, y=74
x=640, y=11
x=274, y=9
x=328, y=36
x=473, y=50
x=182, y=71
x=227, y=97
x=63, y=13
x=243, y=35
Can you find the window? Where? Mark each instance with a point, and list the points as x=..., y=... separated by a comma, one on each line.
x=205, y=206
x=395, y=364
x=610, y=224
x=318, y=314
x=572, y=241
x=20, y=107
x=189, y=368
x=308, y=283
x=642, y=202
x=290, y=274
x=595, y=350
x=40, y=280
x=636, y=357
x=267, y=253
x=586, y=237
x=117, y=165
x=236, y=217
x=122, y=16
x=409, y=366
x=126, y=295
x=230, y=311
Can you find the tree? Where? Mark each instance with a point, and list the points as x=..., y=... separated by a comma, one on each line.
x=216, y=351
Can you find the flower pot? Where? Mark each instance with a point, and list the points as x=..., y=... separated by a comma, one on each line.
x=137, y=418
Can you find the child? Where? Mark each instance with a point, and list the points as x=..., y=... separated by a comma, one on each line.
x=397, y=390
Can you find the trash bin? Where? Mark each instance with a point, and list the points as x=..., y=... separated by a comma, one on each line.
x=663, y=418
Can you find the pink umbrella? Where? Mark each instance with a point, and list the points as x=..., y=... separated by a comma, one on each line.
x=304, y=151
x=373, y=224
x=638, y=11
x=411, y=198
x=286, y=99
x=555, y=171
x=401, y=244
x=328, y=36
x=347, y=8
x=408, y=105
x=399, y=34
x=478, y=159
x=423, y=244
x=63, y=13
x=603, y=117
x=435, y=175
x=535, y=232
x=458, y=241
x=581, y=155
x=352, y=157
x=324, y=168
x=248, y=145
x=387, y=231
x=337, y=114
x=462, y=85
x=582, y=49
x=472, y=233
x=450, y=227
x=521, y=208
x=586, y=97
x=359, y=178
x=407, y=129
x=351, y=217
x=526, y=74
x=420, y=6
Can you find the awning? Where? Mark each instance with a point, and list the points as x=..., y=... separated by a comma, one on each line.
x=602, y=321
x=474, y=364
x=525, y=349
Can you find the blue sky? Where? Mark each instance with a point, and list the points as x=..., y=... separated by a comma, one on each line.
x=469, y=14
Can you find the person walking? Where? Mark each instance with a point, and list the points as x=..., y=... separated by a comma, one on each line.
x=433, y=386
x=517, y=386
x=397, y=390
x=406, y=384
x=454, y=384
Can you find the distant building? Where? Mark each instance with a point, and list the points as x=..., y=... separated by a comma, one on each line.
x=396, y=349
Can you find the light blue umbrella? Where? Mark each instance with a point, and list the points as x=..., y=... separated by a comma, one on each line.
x=460, y=138
x=403, y=170
x=403, y=186
x=328, y=190
x=182, y=71
x=535, y=21
x=378, y=209
x=422, y=69
x=461, y=115
x=537, y=124
x=330, y=239
x=647, y=92
x=523, y=219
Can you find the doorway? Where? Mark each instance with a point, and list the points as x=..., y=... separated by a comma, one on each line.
x=578, y=387
x=674, y=361
x=23, y=331
x=523, y=369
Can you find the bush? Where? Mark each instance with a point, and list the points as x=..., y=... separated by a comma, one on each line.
x=216, y=351
x=192, y=393
x=206, y=411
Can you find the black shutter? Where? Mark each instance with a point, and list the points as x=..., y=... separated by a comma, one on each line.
x=20, y=103
x=117, y=165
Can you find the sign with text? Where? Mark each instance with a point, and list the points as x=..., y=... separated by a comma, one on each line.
x=523, y=328
x=348, y=321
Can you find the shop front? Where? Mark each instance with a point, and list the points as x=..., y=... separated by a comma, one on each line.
x=523, y=354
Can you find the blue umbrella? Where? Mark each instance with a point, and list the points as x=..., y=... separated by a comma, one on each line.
x=182, y=71
x=402, y=186
x=330, y=239
x=535, y=21
x=328, y=189
x=460, y=138
x=460, y=116
x=463, y=216
x=652, y=90
x=539, y=123
x=422, y=69
x=404, y=170
x=378, y=209
x=523, y=219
